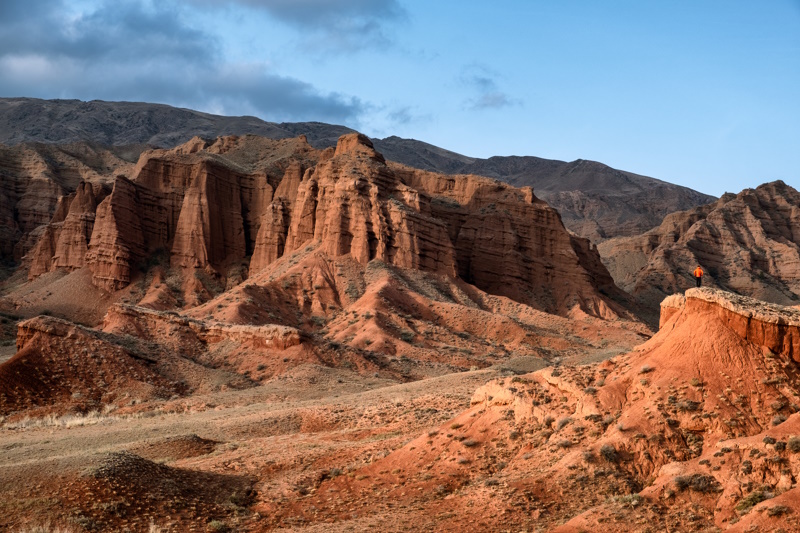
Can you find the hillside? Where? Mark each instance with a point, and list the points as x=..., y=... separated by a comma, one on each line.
x=695, y=429
x=747, y=243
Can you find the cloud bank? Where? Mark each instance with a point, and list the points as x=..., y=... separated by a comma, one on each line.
x=145, y=51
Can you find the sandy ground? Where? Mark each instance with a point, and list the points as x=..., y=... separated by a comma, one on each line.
x=280, y=435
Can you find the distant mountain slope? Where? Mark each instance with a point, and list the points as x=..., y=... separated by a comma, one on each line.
x=747, y=243
x=121, y=123
x=594, y=200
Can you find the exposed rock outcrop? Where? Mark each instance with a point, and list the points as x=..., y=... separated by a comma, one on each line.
x=694, y=429
x=217, y=208
x=33, y=178
x=595, y=201
x=747, y=243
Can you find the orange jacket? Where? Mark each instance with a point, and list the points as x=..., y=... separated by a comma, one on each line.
x=698, y=272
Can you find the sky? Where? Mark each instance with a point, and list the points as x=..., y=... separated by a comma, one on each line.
x=703, y=93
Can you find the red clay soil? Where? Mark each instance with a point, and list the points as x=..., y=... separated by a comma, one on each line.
x=682, y=434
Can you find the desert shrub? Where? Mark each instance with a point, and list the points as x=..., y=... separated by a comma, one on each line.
x=609, y=453
x=469, y=443
x=456, y=425
x=45, y=528
x=778, y=419
x=548, y=420
x=564, y=443
x=590, y=390
x=794, y=444
x=407, y=336
x=563, y=422
x=751, y=500
x=629, y=499
x=218, y=526
x=768, y=440
x=778, y=510
x=780, y=446
x=645, y=369
x=697, y=483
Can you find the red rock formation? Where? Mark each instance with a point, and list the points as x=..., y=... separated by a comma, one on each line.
x=747, y=243
x=214, y=207
x=32, y=179
x=65, y=241
x=60, y=367
x=681, y=432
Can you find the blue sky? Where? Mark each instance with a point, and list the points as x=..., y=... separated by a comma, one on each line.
x=704, y=93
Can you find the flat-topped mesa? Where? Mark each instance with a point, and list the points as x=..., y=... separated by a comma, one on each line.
x=769, y=325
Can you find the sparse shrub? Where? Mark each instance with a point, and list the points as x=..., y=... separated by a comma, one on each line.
x=470, y=443
x=794, y=444
x=778, y=510
x=261, y=367
x=548, y=420
x=334, y=472
x=645, y=369
x=407, y=336
x=590, y=390
x=629, y=499
x=218, y=526
x=780, y=446
x=768, y=440
x=751, y=500
x=562, y=423
x=456, y=425
x=564, y=443
x=698, y=483
x=778, y=419
x=45, y=528
x=695, y=382
x=609, y=453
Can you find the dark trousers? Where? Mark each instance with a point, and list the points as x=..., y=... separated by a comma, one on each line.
x=698, y=281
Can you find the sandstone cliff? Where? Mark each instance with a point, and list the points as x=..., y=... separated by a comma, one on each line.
x=33, y=177
x=748, y=243
x=239, y=204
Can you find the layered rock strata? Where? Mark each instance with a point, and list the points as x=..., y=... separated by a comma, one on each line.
x=246, y=202
x=748, y=243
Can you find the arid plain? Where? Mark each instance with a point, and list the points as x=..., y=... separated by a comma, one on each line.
x=292, y=332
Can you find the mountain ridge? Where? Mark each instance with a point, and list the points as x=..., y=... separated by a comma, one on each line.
x=594, y=200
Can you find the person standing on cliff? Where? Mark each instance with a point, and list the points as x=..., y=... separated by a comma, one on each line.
x=698, y=276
